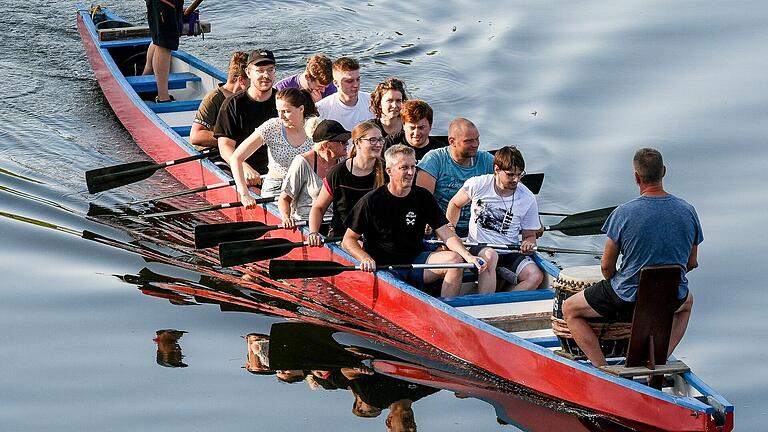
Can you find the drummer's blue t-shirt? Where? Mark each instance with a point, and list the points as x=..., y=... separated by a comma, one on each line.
x=651, y=231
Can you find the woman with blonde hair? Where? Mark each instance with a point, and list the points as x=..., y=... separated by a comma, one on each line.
x=347, y=182
x=304, y=179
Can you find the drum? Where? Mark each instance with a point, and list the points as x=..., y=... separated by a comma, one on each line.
x=613, y=336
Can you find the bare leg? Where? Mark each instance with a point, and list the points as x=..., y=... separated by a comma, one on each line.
x=148, y=65
x=161, y=63
x=680, y=323
x=576, y=310
x=452, y=278
x=486, y=281
x=529, y=278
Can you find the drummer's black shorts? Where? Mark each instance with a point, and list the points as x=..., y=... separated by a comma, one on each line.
x=164, y=17
x=603, y=299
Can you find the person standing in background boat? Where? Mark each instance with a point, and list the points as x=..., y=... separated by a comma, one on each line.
x=655, y=228
x=391, y=220
x=501, y=208
x=349, y=181
x=243, y=112
x=283, y=136
x=317, y=78
x=201, y=134
x=348, y=106
x=164, y=19
x=386, y=100
x=304, y=180
x=417, y=118
x=443, y=171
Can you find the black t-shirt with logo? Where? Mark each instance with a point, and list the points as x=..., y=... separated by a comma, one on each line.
x=393, y=227
x=239, y=116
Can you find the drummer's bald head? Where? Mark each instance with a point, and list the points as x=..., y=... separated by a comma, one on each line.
x=458, y=124
x=649, y=165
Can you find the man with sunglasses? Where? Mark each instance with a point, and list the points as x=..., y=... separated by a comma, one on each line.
x=502, y=207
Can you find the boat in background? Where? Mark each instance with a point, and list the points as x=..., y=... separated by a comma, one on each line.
x=524, y=357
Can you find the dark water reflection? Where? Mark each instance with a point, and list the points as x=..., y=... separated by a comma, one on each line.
x=576, y=87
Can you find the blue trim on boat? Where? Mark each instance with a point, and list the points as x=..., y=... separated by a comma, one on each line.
x=502, y=297
x=183, y=131
x=147, y=83
x=201, y=65
x=180, y=106
x=706, y=390
x=125, y=43
x=545, y=341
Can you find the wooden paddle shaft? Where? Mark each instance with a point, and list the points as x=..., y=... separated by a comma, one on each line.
x=191, y=8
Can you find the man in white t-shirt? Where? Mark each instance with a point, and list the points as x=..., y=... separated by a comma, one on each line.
x=348, y=106
x=502, y=207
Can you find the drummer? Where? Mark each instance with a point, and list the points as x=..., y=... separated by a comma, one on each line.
x=501, y=208
x=655, y=228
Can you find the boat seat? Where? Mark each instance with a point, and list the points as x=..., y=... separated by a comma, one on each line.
x=147, y=83
x=182, y=130
x=179, y=106
x=652, y=327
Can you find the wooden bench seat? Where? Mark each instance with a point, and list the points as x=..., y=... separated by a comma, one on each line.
x=134, y=32
x=147, y=83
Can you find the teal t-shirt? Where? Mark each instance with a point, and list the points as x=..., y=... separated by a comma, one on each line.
x=450, y=177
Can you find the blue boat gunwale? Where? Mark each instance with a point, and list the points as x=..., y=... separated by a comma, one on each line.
x=690, y=377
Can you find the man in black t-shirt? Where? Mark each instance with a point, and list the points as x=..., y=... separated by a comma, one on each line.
x=243, y=112
x=391, y=219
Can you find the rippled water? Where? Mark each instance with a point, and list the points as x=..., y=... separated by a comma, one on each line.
x=578, y=87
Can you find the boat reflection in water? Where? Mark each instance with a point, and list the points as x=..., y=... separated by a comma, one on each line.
x=168, y=349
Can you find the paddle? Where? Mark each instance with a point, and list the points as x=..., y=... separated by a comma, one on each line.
x=517, y=248
x=102, y=179
x=585, y=223
x=533, y=182
x=204, y=209
x=191, y=8
x=290, y=269
x=245, y=251
x=179, y=193
x=210, y=235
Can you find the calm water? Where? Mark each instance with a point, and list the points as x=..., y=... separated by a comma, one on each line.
x=578, y=87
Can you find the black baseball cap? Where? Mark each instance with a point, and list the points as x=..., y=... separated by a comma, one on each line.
x=330, y=130
x=261, y=57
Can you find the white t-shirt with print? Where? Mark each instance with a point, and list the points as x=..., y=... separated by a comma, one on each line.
x=498, y=220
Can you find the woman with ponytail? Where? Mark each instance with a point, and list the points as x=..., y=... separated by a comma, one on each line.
x=284, y=137
x=347, y=182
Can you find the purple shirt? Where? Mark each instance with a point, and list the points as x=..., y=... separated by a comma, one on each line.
x=293, y=82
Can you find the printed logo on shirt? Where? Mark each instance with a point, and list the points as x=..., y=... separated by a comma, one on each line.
x=410, y=218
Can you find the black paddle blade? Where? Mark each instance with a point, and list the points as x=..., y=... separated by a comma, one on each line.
x=290, y=269
x=533, y=182
x=101, y=179
x=210, y=235
x=586, y=223
x=246, y=251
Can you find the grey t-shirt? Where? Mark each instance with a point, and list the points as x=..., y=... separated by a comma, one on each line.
x=303, y=186
x=651, y=231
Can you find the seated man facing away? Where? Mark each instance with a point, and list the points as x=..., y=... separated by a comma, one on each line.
x=392, y=218
x=653, y=229
x=502, y=207
x=317, y=78
x=201, y=134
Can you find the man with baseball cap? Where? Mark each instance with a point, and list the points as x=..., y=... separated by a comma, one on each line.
x=243, y=112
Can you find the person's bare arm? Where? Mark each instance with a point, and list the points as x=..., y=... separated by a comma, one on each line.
x=454, y=243
x=693, y=258
x=529, y=241
x=351, y=244
x=284, y=205
x=610, y=257
x=453, y=213
x=323, y=200
x=425, y=180
x=200, y=135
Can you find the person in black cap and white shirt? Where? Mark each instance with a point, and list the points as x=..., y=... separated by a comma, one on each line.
x=304, y=180
x=243, y=112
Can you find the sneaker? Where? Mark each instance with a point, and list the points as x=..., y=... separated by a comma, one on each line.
x=172, y=99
